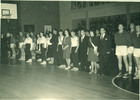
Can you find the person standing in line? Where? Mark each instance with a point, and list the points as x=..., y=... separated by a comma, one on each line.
x=21, y=43
x=97, y=33
x=38, y=50
x=66, y=46
x=50, y=49
x=43, y=46
x=59, y=50
x=28, y=47
x=104, y=52
x=122, y=40
x=136, y=42
x=92, y=52
x=54, y=42
x=12, y=46
x=131, y=47
x=83, y=45
x=74, y=50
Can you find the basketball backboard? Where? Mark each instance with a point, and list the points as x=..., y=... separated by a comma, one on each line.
x=8, y=11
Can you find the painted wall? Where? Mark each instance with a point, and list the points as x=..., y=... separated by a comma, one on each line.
x=67, y=16
x=39, y=13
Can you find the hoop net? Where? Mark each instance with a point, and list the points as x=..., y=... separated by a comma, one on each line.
x=7, y=16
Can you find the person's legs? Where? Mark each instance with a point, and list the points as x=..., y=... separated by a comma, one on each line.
x=130, y=62
x=119, y=65
x=138, y=68
x=126, y=66
x=92, y=67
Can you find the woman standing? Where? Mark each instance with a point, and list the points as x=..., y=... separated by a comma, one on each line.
x=74, y=50
x=38, y=51
x=92, y=52
x=50, y=48
x=136, y=42
x=66, y=48
x=12, y=45
x=43, y=46
x=60, y=51
x=21, y=42
x=28, y=47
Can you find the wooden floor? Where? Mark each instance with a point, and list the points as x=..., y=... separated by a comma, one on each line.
x=35, y=81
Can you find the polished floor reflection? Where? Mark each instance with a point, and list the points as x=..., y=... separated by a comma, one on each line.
x=35, y=81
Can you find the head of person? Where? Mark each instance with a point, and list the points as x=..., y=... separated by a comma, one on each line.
x=72, y=33
x=138, y=29
x=79, y=33
x=60, y=32
x=54, y=31
x=82, y=32
x=38, y=35
x=132, y=26
x=97, y=32
x=8, y=34
x=120, y=27
x=41, y=34
x=27, y=35
x=20, y=33
x=87, y=33
x=92, y=33
x=50, y=34
x=31, y=33
x=66, y=32
x=102, y=30
x=11, y=34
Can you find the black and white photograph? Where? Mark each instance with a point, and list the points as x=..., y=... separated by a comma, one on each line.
x=70, y=50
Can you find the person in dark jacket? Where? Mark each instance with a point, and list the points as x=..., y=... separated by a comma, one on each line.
x=83, y=45
x=54, y=42
x=104, y=50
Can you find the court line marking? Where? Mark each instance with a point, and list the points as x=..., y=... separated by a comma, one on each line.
x=122, y=88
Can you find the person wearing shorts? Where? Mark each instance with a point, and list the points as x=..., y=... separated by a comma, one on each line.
x=122, y=41
x=136, y=42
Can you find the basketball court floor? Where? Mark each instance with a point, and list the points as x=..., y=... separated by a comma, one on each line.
x=35, y=81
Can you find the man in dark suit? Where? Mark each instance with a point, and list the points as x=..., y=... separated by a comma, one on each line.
x=104, y=52
x=83, y=44
x=54, y=42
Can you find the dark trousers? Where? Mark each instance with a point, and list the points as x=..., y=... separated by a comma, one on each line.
x=27, y=52
x=55, y=53
x=104, y=63
x=43, y=53
x=60, y=56
x=84, y=62
x=74, y=57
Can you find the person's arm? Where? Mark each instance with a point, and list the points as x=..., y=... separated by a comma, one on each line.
x=77, y=45
x=31, y=43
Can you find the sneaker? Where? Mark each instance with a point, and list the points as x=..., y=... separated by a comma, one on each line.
x=60, y=66
x=119, y=75
x=48, y=59
x=136, y=77
x=63, y=66
x=43, y=63
x=39, y=60
x=75, y=69
x=91, y=72
x=67, y=68
x=72, y=69
x=125, y=75
x=30, y=60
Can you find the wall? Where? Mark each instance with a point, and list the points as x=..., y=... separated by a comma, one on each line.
x=93, y=12
x=39, y=13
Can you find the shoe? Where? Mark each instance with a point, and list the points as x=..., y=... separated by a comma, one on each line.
x=60, y=66
x=63, y=66
x=136, y=77
x=23, y=58
x=48, y=59
x=72, y=69
x=30, y=60
x=126, y=75
x=39, y=60
x=43, y=63
x=67, y=68
x=119, y=75
x=91, y=72
x=76, y=69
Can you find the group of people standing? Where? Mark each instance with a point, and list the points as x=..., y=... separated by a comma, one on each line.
x=85, y=50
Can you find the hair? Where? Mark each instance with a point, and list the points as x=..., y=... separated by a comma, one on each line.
x=67, y=31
